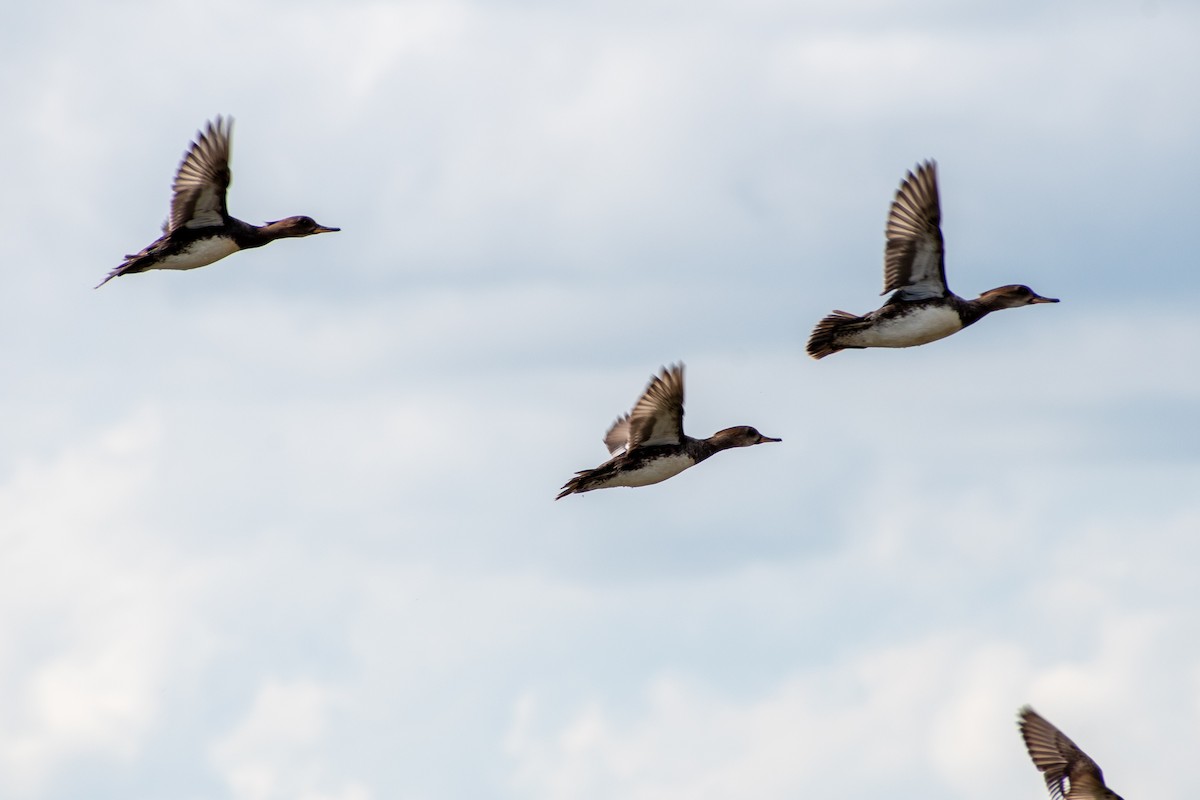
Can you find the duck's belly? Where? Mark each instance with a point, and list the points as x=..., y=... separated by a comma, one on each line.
x=919, y=327
x=199, y=253
x=655, y=470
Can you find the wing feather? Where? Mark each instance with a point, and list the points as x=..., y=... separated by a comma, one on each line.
x=202, y=179
x=657, y=417
x=1070, y=773
x=914, y=258
x=617, y=438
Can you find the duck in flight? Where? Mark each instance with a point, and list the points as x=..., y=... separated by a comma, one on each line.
x=922, y=308
x=200, y=230
x=648, y=444
x=1069, y=772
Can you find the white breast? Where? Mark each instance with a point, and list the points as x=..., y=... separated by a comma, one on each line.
x=926, y=324
x=654, y=471
x=200, y=253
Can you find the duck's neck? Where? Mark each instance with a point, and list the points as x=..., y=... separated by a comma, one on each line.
x=247, y=235
x=971, y=311
x=700, y=449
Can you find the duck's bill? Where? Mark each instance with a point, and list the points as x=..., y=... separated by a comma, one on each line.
x=323, y=229
x=1040, y=299
x=764, y=439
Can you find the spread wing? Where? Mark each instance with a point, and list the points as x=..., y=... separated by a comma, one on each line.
x=914, y=259
x=202, y=178
x=657, y=417
x=617, y=438
x=1070, y=773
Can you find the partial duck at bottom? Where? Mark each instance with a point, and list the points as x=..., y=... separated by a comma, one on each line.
x=1070, y=773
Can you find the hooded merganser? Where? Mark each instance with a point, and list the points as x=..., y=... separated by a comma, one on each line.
x=648, y=444
x=200, y=230
x=922, y=309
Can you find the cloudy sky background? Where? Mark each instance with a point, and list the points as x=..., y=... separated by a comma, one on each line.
x=283, y=527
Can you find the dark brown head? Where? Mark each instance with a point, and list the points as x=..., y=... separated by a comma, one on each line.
x=296, y=226
x=1012, y=296
x=741, y=436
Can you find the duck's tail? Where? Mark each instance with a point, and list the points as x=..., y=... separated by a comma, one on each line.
x=109, y=277
x=130, y=265
x=821, y=342
x=577, y=485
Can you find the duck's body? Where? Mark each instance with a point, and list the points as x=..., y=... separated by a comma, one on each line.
x=648, y=445
x=189, y=248
x=200, y=230
x=1070, y=773
x=642, y=467
x=894, y=325
x=646, y=465
x=181, y=252
x=922, y=308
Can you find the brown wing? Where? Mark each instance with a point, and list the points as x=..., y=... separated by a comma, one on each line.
x=1069, y=772
x=657, y=417
x=202, y=179
x=914, y=261
x=617, y=438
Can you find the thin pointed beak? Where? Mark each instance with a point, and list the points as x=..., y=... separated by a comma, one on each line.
x=765, y=439
x=1040, y=299
x=323, y=229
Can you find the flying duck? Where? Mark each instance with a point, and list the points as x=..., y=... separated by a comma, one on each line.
x=648, y=444
x=200, y=230
x=922, y=309
x=1069, y=772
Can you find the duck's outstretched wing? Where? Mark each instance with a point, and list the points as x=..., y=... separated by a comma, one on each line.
x=202, y=179
x=914, y=258
x=1069, y=772
x=657, y=417
x=617, y=438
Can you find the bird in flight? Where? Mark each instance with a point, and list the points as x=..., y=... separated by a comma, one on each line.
x=199, y=230
x=1069, y=772
x=922, y=308
x=648, y=444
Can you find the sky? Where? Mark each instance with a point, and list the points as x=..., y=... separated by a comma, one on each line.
x=283, y=527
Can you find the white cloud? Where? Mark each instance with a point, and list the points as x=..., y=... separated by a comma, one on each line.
x=275, y=752
x=934, y=716
x=90, y=606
